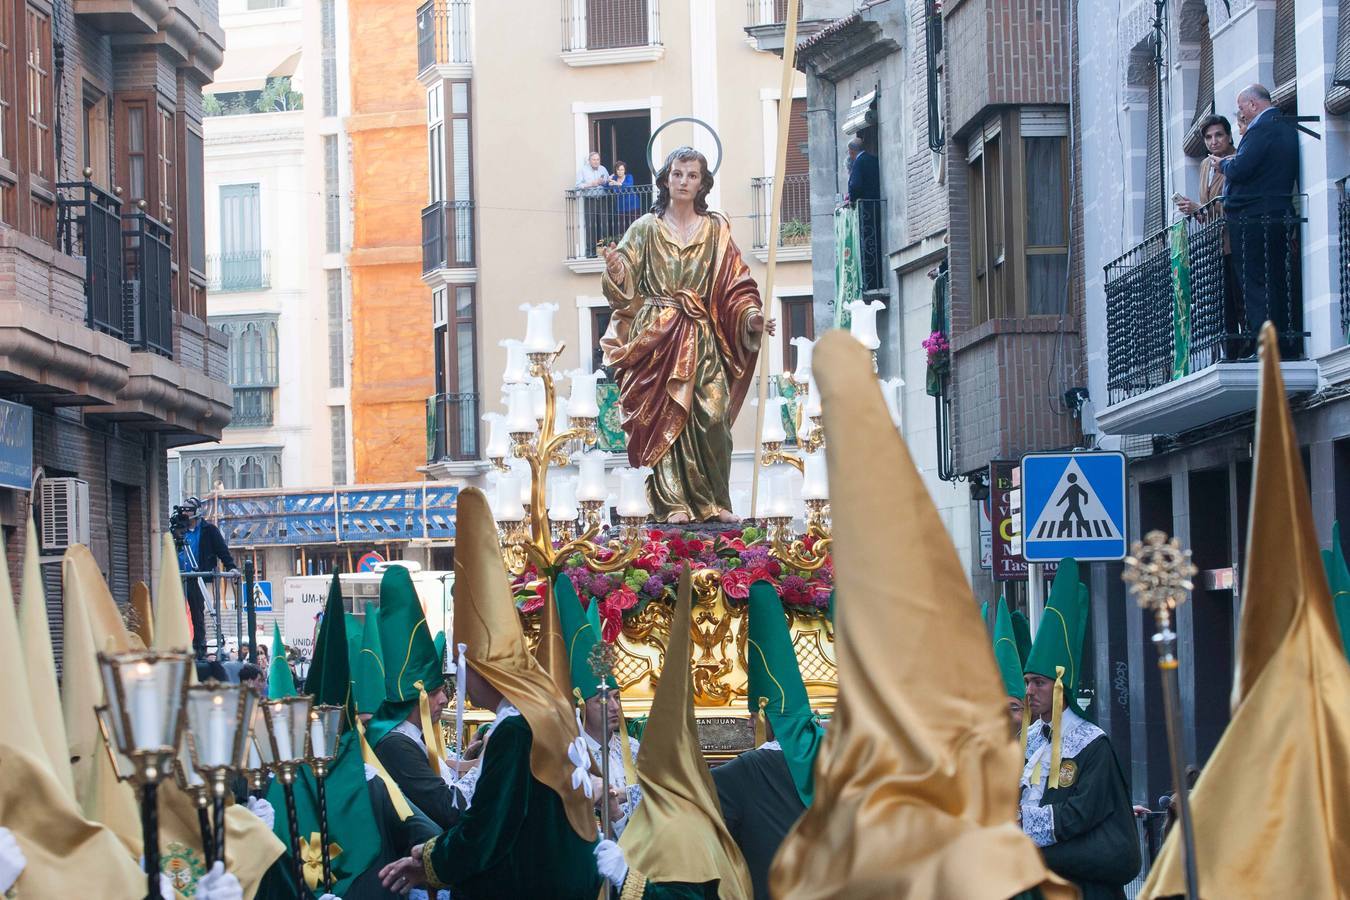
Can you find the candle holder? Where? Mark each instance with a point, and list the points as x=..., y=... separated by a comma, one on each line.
x=259, y=760
x=145, y=691
x=325, y=726
x=191, y=783
x=218, y=718
x=1159, y=575
x=287, y=721
x=784, y=546
x=122, y=765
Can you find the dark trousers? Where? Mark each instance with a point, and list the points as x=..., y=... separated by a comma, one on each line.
x=1261, y=260
x=196, y=608
x=594, y=211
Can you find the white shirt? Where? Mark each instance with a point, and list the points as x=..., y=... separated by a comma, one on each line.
x=1259, y=116
x=617, y=778
x=586, y=175
x=1075, y=733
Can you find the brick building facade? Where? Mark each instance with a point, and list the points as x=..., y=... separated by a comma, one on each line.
x=102, y=273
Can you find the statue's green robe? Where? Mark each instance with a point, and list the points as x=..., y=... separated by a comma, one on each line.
x=515, y=840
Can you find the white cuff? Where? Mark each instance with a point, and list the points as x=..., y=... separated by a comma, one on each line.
x=1039, y=824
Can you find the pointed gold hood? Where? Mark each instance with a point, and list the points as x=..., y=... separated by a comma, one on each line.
x=916, y=784
x=486, y=621
x=1272, y=808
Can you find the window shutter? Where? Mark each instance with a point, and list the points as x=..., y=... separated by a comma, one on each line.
x=1194, y=144
x=1285, y=94
x=1153, y=182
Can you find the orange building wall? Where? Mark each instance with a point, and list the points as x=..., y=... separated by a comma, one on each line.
x=393, y=370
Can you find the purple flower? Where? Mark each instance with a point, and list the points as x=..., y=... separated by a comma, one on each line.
x=653, y=587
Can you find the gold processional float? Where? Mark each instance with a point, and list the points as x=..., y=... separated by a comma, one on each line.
x=554, y=526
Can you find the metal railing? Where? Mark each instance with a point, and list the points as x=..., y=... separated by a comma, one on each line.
x=89, y=224
x=794, y=224
x=452, y=427
x=447, y=235
x=1344, y=208
x=769, y=12
x=610, y=24
x=1196, y=293
x=871, y=241
x=601, y=215
x=243, y=270
x=444, y=36
x=357, y=515
x=252, y=407
x=147, y=292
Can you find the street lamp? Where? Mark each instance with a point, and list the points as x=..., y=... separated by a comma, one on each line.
x=218, y=719
x=145, y=692
x=287, y=721
x=325, y=725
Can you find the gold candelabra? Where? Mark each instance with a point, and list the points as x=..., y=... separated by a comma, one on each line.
x=531, y=540
x=786, y=547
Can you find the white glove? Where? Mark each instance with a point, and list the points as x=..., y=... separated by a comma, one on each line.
x=263, y=810
x=371, y=773
x=12, y=860
x=329, y=897
x=166, y=891
x=219, y=885
x=609, y=860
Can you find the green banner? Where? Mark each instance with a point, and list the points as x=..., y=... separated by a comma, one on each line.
x=847, y=264
x=609, y=427
x=1180, y=256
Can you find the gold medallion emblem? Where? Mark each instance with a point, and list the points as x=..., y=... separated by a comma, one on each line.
x=1068, y=773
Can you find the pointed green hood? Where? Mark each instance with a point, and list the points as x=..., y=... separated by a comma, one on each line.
x=775, y=680
x=410, y=662
x=1022, y=634
x=1338, y=579
x=580, y=633
x=329, y=678
x=1005, y=652
x=439, y=643
x=280, y=679
x=355, y=634
x=1059, y=639
x=368, y=671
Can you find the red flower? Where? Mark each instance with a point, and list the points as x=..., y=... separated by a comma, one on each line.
x=731, y=543
x=809, y=541
x=677, y=548
x=611, y=622
x=537, y=601
x=694, y=547
x=623, y=598
x=736, y=583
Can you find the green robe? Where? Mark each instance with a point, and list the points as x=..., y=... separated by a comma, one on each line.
x=679, y=890
x=406, y=763
x=759, y=805
x=515, y=840
x=1096, y=840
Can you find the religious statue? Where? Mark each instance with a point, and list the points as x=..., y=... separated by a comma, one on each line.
x=682, y=341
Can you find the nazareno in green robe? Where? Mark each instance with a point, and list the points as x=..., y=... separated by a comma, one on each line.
x=515, y=840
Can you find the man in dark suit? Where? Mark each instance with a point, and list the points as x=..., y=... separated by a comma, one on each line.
x=201, y=549
x=1260, y=180
x=864, y=192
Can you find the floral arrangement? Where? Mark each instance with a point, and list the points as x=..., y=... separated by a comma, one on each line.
x=939, y=349
x=741, y=557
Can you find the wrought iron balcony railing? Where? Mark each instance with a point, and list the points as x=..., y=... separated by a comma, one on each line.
x=90, y=226
x=769, y=12
x=447, y=235
x=794, y=224
x=243, y=270
x=444, y=36
x=1343, y=206
x=452, y=427
x=610, y=24
x=1196, y=293
x=252, y=407
x=147, y=291
x=597, y=216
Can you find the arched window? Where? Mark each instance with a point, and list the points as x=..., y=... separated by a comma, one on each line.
x=223, y=474
x=195, y=480
x=251, y=474
x=274, y=470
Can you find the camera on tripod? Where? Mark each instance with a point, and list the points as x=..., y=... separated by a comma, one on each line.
x=181, y=520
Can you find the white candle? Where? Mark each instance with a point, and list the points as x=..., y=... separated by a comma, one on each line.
x=499, y=441
x=254, y=760
x=815, y=482
x=582, y=402
x=318, y=746
x=524, y=481
x=281, y=730
x=591, y=482
x=144, y=705
x=519, y=411
x=779, y=485
x=805, y=349
x=539, y=327
x=633, y=492
x=538, y=398
x=517, y=366
x=773, y=421
x=560, y=420
x=508, y=507
x=812, y=400
x=562, y=505
x=218, y=750
x=864, y=326
x=890, y=389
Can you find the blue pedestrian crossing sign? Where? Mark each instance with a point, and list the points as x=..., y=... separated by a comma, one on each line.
x=1073, y=504
x=262, y=596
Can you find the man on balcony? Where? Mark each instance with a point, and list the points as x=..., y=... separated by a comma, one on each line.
x=1260, y=180
x=864, y=192
x=592, y=180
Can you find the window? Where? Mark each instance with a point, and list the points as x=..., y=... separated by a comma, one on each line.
x=165, y=152
x=41, y=152
x=240, y=238
x=1155, y=210
x=797, y=322
x=7, y=84
x=328, y=28
x=1194, y=142
x=986, y=223
x=254, y=351
x=436, y=141
x=338, y=438
x=94, y=136
x=247, y=469
x=1047, y=242
x=135, y=137
x=196, y=198
x=455, y=355
x=600, y=316
x=331, y=198
x=337, y=362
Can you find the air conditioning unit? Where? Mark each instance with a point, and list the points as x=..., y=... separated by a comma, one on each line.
x=64, y=503
x=133, y=327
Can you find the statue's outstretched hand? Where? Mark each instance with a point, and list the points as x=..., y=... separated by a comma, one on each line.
x=614, y=263
x=759, y=324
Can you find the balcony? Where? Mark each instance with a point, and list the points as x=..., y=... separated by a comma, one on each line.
x=452, y=428
x=1343, y=206
x=252, y=407
x=244, y=270
x=598, y=216
x=444, y=35
x=147, y=292
x=606, y=32
x=91, y=227
x=794, y=223
x=447, y=235
x=766, y=20
x=769, y=12
x=1182, y=309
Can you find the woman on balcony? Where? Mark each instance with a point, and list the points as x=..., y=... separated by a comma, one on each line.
x=627, y=203
x=1218, y=135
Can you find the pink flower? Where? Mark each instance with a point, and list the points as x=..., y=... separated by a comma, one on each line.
x=731, y=543
x=536, y=601
x=736, y=583
x=611, y=612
